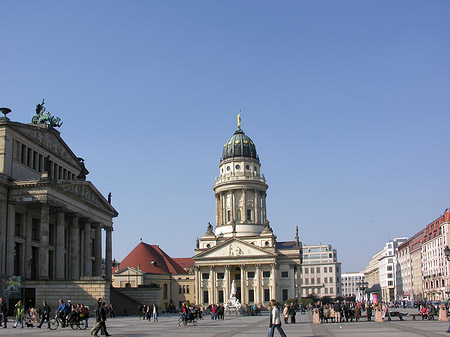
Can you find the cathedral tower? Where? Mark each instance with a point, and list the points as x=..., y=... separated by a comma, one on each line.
x=240, y=189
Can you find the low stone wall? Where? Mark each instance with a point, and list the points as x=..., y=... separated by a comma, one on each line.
x=85, y=291
x=146, y=296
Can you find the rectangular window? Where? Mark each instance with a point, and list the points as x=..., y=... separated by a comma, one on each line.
x=326, y=280
x=187, y=289
x=23, y=154
x=266, y=295
x=306, y=270
x=330, y=269
x=389, y=268
x=165, y=291
x=229, y=215
x=251, y=274
x=184, y=289
x=284, y=274
x=30, y=158
x=251, y=295
x=17, y=259
x=326, y=290
x=221, y=296
x=337, y=269
x=337, y=279
x=306, y=280
x=220, y=276
x=205, y=297
x=266, y=274
x=51, y=234
x=18, y=225
x=318, y=280
x=331, y=280
x=312, y=280
x=35, y=229
x=205, y=276
x=40, y=163
x=249, y=214
x=284, y=295
x=331, y=290
x=390, y=283
x=180, y=289
x=318, y=270
x=324, y=269
x=35, y=159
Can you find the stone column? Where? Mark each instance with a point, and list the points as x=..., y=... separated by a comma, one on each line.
x=198, y=285
x=273, y=293
x=292, y=278
x=87, y=249
x=44, y=236
x=217, y=209
x=108, y=253
x=264, y=207
x=74, y=249
x=98, y=250
x=255, y=211
x=224, y=208
x=28, y=252
x=212, y=285
x=233, y=206
x=258, y=284
x=59, y=265
x=227, y=283
x=244, y=209
x=10, y=240
x=243, y=285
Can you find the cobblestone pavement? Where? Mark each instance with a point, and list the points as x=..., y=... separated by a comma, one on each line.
x=251, y=326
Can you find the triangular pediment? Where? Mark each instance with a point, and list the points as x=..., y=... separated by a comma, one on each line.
x=234, y=248
x=128, y=271
x=86, y=191
x=49, y=139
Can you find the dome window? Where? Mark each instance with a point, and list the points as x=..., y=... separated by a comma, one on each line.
x=228, y=168
x=238, y=167
x=247, y=167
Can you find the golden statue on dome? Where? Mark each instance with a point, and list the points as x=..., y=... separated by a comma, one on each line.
x=239, y=119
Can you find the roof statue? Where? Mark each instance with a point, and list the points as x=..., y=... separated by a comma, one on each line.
x=44, y=117
x=239, y=119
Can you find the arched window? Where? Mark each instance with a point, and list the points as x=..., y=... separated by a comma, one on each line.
x=128, y=285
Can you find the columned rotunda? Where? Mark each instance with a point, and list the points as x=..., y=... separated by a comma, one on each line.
x=242, y=246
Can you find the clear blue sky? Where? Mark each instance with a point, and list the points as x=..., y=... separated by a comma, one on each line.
x=346, y=101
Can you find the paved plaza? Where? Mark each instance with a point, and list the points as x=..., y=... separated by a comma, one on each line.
x=248, y=326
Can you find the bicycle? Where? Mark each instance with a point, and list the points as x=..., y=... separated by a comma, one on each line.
x=189, y=318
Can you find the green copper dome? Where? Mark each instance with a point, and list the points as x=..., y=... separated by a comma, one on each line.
x=239, y=145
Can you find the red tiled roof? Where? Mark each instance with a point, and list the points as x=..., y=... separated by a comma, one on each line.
x=185, y=262
x=144, y=254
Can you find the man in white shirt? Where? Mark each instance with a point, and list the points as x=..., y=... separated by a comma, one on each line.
x=275, y=320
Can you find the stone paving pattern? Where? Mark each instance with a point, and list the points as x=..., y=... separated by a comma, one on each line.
x=248, y=326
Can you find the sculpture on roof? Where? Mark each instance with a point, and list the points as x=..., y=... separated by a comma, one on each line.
x=210, y=227
x=44, y=117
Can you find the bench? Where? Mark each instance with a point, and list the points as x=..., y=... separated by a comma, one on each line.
x=396, y=314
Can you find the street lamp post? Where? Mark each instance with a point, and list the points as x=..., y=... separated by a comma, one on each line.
x=447, y=256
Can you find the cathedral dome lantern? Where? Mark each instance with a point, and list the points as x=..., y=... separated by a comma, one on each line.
x=240, y=189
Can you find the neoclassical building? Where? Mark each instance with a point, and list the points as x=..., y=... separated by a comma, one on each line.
x=242, y=246
x=52, y=218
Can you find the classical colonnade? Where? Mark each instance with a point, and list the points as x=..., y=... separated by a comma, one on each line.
x=258, y=279
x=66, y=245
x=238, y=210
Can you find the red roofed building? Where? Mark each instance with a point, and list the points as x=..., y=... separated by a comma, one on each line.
x=148, y=266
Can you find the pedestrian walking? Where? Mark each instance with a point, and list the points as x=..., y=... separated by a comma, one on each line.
x=292, y=313
x=3, y=313
x=45, y=312
x=102, y=312
x=275, y=320
x=19, y=313
x=155, y=313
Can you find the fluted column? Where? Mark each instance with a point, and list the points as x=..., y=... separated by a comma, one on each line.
x=98, y=250
x=87, y=249
x=233, y=206
x=74, y=249
x=227, y=283
x=224, y=208
x=273, y=293
x=244, y=210
x=44, y=237
x=258, y=284
x=292, y=278
x=243, y=285
x=10, y=240
x=264, y=208
x=108, y=253
x=255, y=208
x=28, y=252
x=217, y=209
x=59, y=265
x=212, y=285
x=198, y=286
